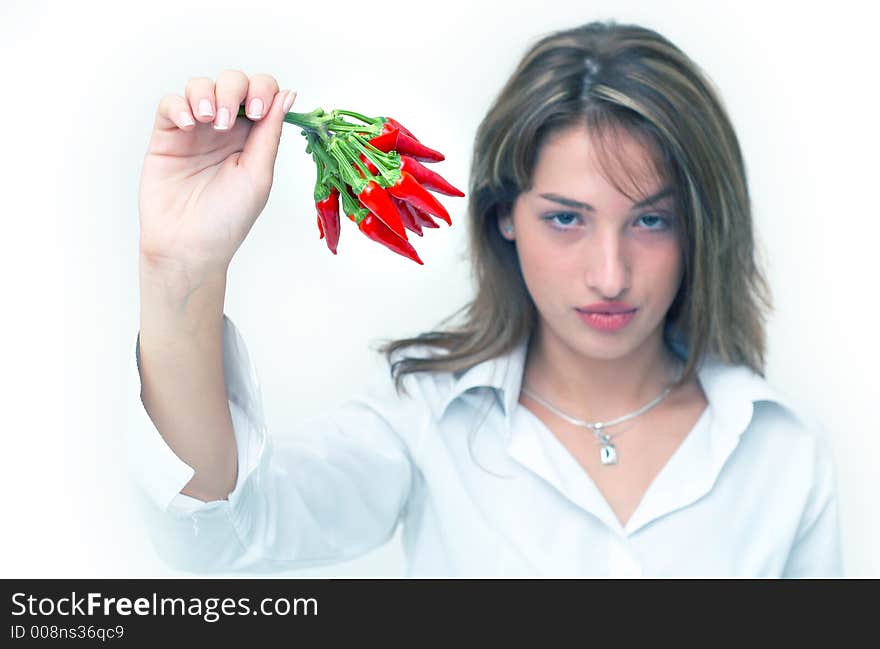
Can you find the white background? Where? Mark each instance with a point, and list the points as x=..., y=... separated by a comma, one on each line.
x=81, y=83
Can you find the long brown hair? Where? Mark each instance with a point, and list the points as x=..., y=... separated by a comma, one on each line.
x=615, y=79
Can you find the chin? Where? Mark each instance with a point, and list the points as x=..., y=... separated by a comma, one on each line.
x=610, y=351
x=587, y=344
x=609, y=347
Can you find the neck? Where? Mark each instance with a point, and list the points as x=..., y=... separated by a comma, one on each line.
x=598, y=389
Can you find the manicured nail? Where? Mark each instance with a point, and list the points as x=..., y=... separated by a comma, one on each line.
x=206, y=109
x=185, y=119
x=222, y=121
x=288, y=101
x=255, y=110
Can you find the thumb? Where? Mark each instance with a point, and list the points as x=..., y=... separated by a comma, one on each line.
x=261, y=147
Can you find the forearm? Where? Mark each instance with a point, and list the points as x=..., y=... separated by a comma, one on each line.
x=181, y=368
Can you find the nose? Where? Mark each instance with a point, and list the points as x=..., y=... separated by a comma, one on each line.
x=608, y=269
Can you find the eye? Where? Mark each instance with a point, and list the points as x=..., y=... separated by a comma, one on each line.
x=565, y=220
x=655, y=221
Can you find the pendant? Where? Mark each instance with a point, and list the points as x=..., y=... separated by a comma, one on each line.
x=608, y=454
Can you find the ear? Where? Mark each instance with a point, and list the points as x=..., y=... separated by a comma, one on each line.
x=505, y=222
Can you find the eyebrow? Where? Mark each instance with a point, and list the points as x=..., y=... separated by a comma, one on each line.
x=569, y=202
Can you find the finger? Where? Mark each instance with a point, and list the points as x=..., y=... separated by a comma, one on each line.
x=200, y=95
x=229, y=92
x=173, y=113
x=262, y=89
x=261, y=147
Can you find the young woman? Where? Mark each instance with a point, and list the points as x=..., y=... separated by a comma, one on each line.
x=601, y=411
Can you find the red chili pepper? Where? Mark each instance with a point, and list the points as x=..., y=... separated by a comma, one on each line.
x=426, y=177
x=378, y=201
x=411, y=146
x=406, y=216
x=328, y=217
x=393, y=139
x=389, y=125
x=369, y=165
x=386, y=141
x=403, y=129
x=320, y=228
x=407, y=188
x=376, y=230
x=424, y=220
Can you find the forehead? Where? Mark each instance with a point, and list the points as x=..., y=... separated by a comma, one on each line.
x=578, y=158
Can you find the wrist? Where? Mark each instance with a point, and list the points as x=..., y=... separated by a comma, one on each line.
x=183, y=274
x=181, y=290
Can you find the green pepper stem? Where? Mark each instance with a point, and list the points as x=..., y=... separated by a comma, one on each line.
x=351, y=113
x=317, y=149
x=315, y=120
x=349, y=205
x=323, y=123
x=343, y=156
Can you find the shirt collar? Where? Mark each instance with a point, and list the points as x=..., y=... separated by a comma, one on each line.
x=731, y=390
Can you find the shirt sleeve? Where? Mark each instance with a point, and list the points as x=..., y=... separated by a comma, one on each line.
x=816, y=551
x=328, y=490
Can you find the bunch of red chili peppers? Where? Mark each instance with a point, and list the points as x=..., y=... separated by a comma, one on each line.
x=375, y=169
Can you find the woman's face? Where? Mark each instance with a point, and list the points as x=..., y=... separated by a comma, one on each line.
x=572, y=256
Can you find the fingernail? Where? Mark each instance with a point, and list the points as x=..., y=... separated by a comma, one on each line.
x=256, y=108
x=222, y=120
x=205, y=108
x=288, y=101
x=185, y=119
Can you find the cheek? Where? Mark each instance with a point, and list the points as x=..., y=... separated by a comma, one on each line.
x=666, y=267
x=541, y=256
x=550, y=274
x=542, y=267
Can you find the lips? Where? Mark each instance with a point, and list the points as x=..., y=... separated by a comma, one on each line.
x=607, y=308
x=606, y=312
x=606, y=321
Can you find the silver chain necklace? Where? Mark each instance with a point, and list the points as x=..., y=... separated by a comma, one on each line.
x=608, y=451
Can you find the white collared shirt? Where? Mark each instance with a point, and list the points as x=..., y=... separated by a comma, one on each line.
x=750, y=492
